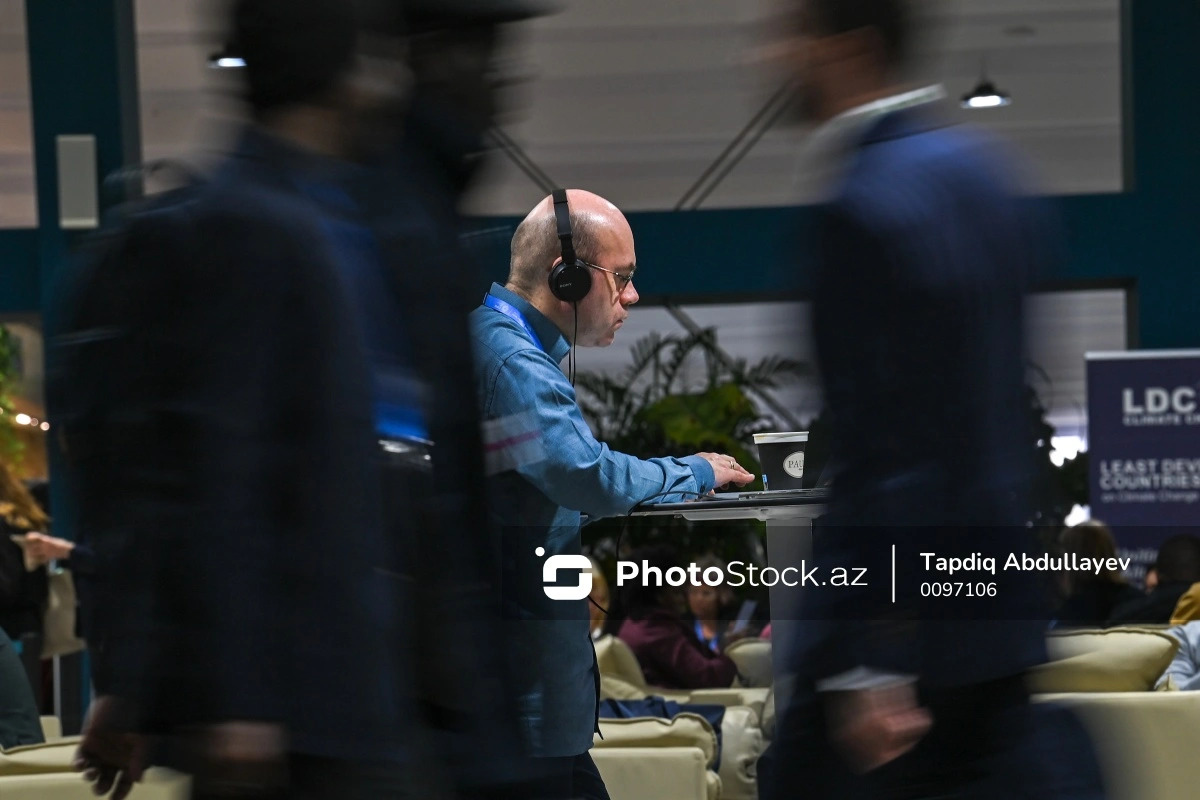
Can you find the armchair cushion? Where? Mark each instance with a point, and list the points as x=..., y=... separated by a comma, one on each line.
x=742, y=744
x=654, y=773
x=39, y=759
x=1145, y=741
x=753, y=659
x=1113, y=660
x=685, y=730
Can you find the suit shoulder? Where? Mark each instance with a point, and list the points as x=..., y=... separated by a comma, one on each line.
x=902, y=180
x=242, y=229
x=959, y=154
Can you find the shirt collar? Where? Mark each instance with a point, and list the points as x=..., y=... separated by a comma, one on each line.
x=826, y=150
x=557, y=345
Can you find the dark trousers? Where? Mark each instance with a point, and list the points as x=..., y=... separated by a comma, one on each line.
x=466, y=712
x=569, y=778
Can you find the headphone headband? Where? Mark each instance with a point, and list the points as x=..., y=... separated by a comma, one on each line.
x=571, y=280
x=562, y=215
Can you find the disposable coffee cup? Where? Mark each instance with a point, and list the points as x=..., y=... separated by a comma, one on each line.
x=782, y=458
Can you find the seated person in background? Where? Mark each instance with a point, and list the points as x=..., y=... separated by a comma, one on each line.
x=710, y=609
x=19, y=720
x=1188, y=608
x=598, y=600
x=1184, y=671
x=652, y=624
x=23, y=592
x=1178, y=567
x=1090, y=598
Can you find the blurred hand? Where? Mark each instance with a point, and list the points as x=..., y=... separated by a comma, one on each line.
x=243, y=759
x=873, y=727
x=45, y=549
x=110, y=754
x=726, y=469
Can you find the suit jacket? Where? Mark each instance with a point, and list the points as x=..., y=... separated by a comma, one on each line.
x=923, y=262
x=412, y=197
x=229, y=482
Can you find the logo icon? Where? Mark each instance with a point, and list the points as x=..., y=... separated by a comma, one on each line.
x=794, y=464
x=550, y=575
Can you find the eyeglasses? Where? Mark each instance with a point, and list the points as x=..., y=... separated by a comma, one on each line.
x=623, y=279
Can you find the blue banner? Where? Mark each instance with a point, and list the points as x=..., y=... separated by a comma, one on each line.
x=1144, y=447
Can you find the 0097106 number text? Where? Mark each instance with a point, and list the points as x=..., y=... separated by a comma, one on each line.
x=958, y=589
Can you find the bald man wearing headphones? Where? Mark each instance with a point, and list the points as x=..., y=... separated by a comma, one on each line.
x=570, y=284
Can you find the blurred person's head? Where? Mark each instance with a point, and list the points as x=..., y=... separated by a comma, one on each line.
x=598, y=599
x=1092, y=540
x=17, y=506
x=1178, y=560
x=452, y=51
x=641, y=596
x=704, y=601
x=604, y=240
x=844, y=53
x=298, y=53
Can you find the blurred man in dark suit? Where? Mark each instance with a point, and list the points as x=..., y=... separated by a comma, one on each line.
x=425, y=151
x=226, y=462
x=923, y=261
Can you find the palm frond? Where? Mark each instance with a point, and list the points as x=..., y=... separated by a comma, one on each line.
x=645, y=353
x=772, y=372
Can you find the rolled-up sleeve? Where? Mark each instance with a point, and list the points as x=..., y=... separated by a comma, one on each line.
x=577, y=471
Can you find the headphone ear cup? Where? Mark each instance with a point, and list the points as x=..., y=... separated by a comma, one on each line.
x=570, y=282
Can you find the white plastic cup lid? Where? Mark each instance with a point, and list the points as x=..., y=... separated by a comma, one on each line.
x=773, y=438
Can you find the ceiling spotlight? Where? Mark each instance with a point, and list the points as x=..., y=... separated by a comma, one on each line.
x=985, y=94
x=226, y=59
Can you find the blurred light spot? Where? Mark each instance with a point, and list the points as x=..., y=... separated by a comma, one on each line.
x=1064, y=448
x=1078, y=514
x=226, y=62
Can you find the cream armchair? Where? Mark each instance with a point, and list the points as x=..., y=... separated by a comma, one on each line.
x=742, y=738
x=44, y=772
x=754, y=663
x=655, y=758
x=1145, y=739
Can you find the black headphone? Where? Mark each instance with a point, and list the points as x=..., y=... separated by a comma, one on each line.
x=570, y=280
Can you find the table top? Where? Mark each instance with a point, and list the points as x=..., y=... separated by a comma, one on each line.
x=783, y=504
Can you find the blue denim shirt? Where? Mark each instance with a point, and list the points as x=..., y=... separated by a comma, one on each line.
x=539, y=502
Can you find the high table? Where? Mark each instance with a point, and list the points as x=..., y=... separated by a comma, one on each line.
x=789, y=516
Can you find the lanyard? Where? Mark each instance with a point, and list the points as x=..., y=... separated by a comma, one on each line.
x=513, y=313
